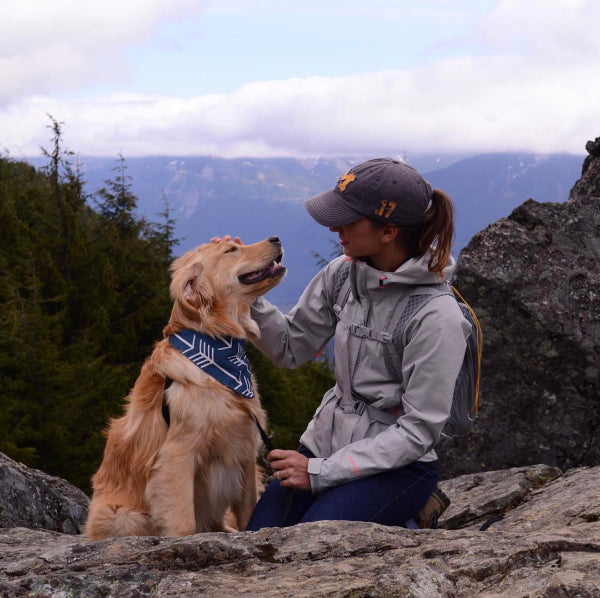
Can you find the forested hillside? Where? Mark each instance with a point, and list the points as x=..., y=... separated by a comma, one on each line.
x=84, y=296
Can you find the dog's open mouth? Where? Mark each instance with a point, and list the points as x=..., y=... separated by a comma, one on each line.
x=273, y=269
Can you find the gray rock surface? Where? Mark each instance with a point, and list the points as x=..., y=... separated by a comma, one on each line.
x=34, y=499
x=534, y=280
x=547, y=545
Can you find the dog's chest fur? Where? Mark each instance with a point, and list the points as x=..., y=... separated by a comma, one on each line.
x=201, y=408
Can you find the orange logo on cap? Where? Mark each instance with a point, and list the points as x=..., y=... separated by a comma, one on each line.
x=345, y=181
x=385, y=208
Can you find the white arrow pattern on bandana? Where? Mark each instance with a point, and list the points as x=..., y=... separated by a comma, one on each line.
x=232, y=370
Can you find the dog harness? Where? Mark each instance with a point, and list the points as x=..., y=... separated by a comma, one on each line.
x=223, y=358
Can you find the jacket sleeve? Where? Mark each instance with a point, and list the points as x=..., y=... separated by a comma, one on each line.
x=293, y=339
x=433, y=355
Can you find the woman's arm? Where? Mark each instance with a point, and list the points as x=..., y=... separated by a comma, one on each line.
x=293, y=339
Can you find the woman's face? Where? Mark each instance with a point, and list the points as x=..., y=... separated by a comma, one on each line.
x=360, y=239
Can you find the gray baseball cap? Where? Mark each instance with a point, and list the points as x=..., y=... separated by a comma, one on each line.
x=382, y=189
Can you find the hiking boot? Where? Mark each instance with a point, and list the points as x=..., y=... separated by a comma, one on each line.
x=428, y=516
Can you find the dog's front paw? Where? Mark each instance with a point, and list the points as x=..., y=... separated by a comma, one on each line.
x=230, y=530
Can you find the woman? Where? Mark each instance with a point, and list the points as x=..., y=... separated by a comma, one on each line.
x=368, y=453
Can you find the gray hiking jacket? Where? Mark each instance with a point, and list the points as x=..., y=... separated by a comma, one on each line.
x=395, y=421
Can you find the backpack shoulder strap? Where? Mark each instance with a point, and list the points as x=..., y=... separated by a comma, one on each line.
x=417, y=298
x=341, y=290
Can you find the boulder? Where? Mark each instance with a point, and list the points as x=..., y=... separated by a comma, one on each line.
x=546, y=545
x=34, y=499
x=534, y=280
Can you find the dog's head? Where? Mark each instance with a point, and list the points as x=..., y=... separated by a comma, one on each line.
x=213, y=285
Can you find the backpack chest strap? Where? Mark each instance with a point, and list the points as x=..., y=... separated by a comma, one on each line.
x=359, y=330
x=365, y=332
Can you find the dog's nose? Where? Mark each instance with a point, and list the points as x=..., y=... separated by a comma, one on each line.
x=274, y=240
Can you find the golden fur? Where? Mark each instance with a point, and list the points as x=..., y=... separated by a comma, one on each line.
x=182, y=479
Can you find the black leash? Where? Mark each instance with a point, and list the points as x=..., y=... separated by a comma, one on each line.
x=266, y=440
x=289, y=499
x=165, y=406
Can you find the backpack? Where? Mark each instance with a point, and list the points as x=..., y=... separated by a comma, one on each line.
x=465, y=399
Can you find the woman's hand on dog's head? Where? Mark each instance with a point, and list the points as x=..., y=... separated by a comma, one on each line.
x=217, y=240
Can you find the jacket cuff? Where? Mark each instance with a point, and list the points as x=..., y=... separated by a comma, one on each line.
x=314, y=469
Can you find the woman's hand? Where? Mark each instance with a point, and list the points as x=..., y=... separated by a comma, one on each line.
x=217, y=240
x=290, y=468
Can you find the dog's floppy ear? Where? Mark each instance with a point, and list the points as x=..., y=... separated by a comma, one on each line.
x=192, y=293
x=196, y=288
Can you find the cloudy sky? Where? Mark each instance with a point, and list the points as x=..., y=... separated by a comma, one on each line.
x=299, y=77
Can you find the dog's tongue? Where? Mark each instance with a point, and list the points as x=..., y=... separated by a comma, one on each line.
x=270, y=271
x=255, y=275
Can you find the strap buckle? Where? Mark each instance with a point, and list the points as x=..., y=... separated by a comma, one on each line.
x=366, y=332
x=358, y=407
x=352, y=405
x=360, y=331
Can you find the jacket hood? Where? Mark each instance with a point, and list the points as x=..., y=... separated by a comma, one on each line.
x=413, y=272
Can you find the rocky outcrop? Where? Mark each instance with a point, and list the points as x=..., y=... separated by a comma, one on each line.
x=593, y=149
x=31, y=498
x=546, y=545
x=534, y=280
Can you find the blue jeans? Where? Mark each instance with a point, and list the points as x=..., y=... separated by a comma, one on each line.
x=390, y=498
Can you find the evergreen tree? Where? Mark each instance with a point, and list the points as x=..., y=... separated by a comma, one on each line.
x=30, y=318
x=117, y=203
x=163, y=232
x=84, y=297
x=137, y=256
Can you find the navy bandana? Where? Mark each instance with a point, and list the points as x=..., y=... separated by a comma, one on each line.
x=223, y=358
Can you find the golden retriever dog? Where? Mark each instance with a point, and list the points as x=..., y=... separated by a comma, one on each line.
x=181, y=477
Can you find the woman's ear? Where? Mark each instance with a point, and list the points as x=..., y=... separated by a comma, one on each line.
x=389, y=232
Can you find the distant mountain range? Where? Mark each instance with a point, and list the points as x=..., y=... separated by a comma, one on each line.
x=256, y=198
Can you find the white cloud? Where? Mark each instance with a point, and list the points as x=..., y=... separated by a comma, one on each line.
x=475, y=105
x=47, y=46
x=433, y=10
x=548, y=30
x=535, y=87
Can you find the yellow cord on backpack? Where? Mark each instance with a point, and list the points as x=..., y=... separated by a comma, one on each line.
x=479, y=340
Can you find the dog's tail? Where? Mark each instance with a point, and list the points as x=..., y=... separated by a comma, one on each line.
x=111, y=521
